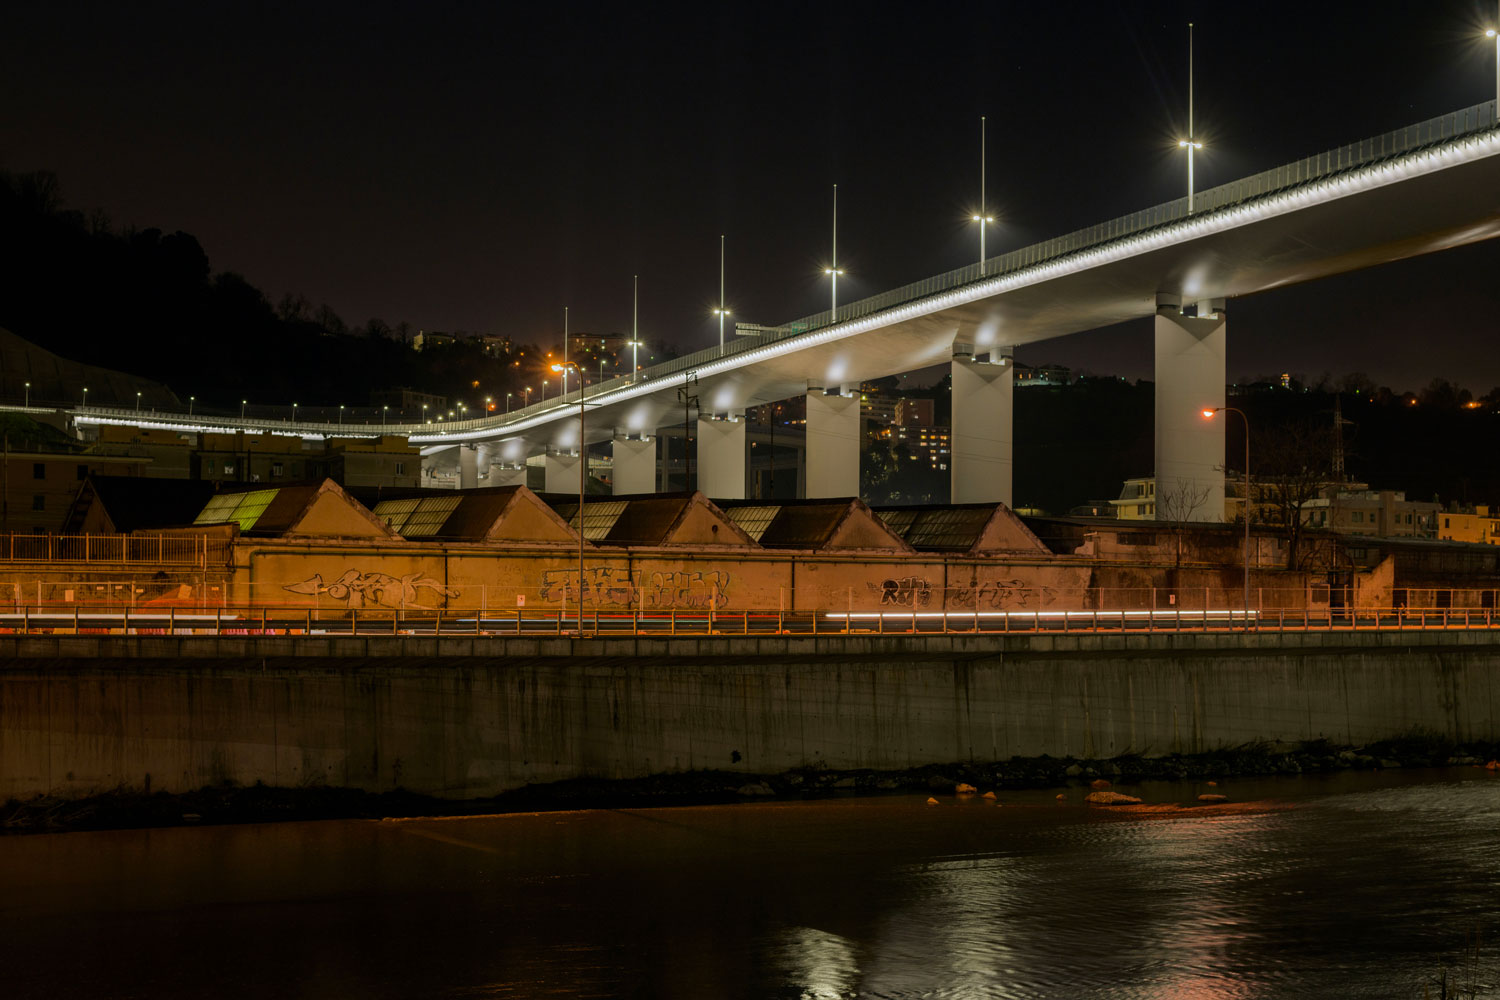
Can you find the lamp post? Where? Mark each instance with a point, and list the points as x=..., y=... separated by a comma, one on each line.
x=507, y=402
x=191, y=400
x=983, y=218
x=833, y=269
x=1190, y=143
x=544, y=388
x=86, y=400
x=721, y=312
x=1209, y=415
x=243, y=402
x=26, y=403
x=294, y=413
x=1492, y=33
x=635, y=333
x=341, y=414
x=424, y=413
x=583, y=478
x=526, y=398
x=385, y=414
x=137, y=400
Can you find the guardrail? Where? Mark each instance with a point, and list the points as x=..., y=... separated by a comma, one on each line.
x=323, y=622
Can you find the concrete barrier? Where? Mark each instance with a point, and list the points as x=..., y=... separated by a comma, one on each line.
x=472, y=717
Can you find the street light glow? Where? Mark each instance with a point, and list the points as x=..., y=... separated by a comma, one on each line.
x=1208, y=414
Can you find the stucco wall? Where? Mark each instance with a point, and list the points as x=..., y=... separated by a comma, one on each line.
x=465, y=718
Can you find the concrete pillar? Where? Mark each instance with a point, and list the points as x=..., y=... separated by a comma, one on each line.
x=832, y=443
x=562, y=473
x=468, y=467
x=634, y=465
x=721, y=457
x=979, y=453
x=1190, y=352
x=507, y=475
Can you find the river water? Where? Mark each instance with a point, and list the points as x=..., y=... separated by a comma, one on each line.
x=1355, y=885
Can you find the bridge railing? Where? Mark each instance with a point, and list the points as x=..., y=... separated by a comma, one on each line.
x=266, y=622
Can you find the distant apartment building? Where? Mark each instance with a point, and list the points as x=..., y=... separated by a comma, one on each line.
x=877, y=409
x=913, y=413
x=38, y=487
x=1478, y=525
x=1347, y=508
x=1137, y=500
x=493, y=344
x=1032, y=376
x=589, y=343
x=1381, y=513
x=426, y=340
x=930, y=444
x=259, y=458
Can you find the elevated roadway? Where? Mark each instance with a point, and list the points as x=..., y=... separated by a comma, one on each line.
x=1416, y=190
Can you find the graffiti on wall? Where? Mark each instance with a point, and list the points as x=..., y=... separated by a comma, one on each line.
x=690, y=589
x=904, y=592
x=602, y=585
x=607, y=585
x=995, y=595
x=361, y=590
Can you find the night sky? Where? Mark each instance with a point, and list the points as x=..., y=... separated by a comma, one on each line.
x=480, y=166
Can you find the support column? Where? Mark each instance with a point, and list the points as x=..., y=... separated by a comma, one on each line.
x=468, y=467
x=634, y=465
x=721, y=457
x=1190, y=353
x=832, y=443
x=562, y=472
x=979, y=453
x=507, y=475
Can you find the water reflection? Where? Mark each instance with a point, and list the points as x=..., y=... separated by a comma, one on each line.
x=1355, y=887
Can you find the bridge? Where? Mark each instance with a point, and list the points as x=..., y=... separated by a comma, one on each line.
x=1416, y=190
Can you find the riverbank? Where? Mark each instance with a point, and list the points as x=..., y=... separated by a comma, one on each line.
x=229, y=803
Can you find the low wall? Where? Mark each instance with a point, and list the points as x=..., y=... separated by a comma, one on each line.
x=462, y=717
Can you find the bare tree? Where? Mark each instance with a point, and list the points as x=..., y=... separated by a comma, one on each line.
x=1177, y=500
x=1293, y=465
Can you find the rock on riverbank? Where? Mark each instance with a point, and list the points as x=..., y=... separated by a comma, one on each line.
x=259, y=803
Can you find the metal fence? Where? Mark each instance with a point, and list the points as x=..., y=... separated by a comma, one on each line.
x=158, y=550
x=268, y=622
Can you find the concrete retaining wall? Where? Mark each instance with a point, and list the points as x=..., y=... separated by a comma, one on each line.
x=473, y=717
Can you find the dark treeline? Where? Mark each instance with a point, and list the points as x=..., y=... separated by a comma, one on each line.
x=149, y=303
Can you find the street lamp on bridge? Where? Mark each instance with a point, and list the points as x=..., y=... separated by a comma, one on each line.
x=583, y=477
x=1190, y=143
x=1492, y=33
x=1208, y=414
x=721, y=312
x=833, y=270
x=982, y=218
